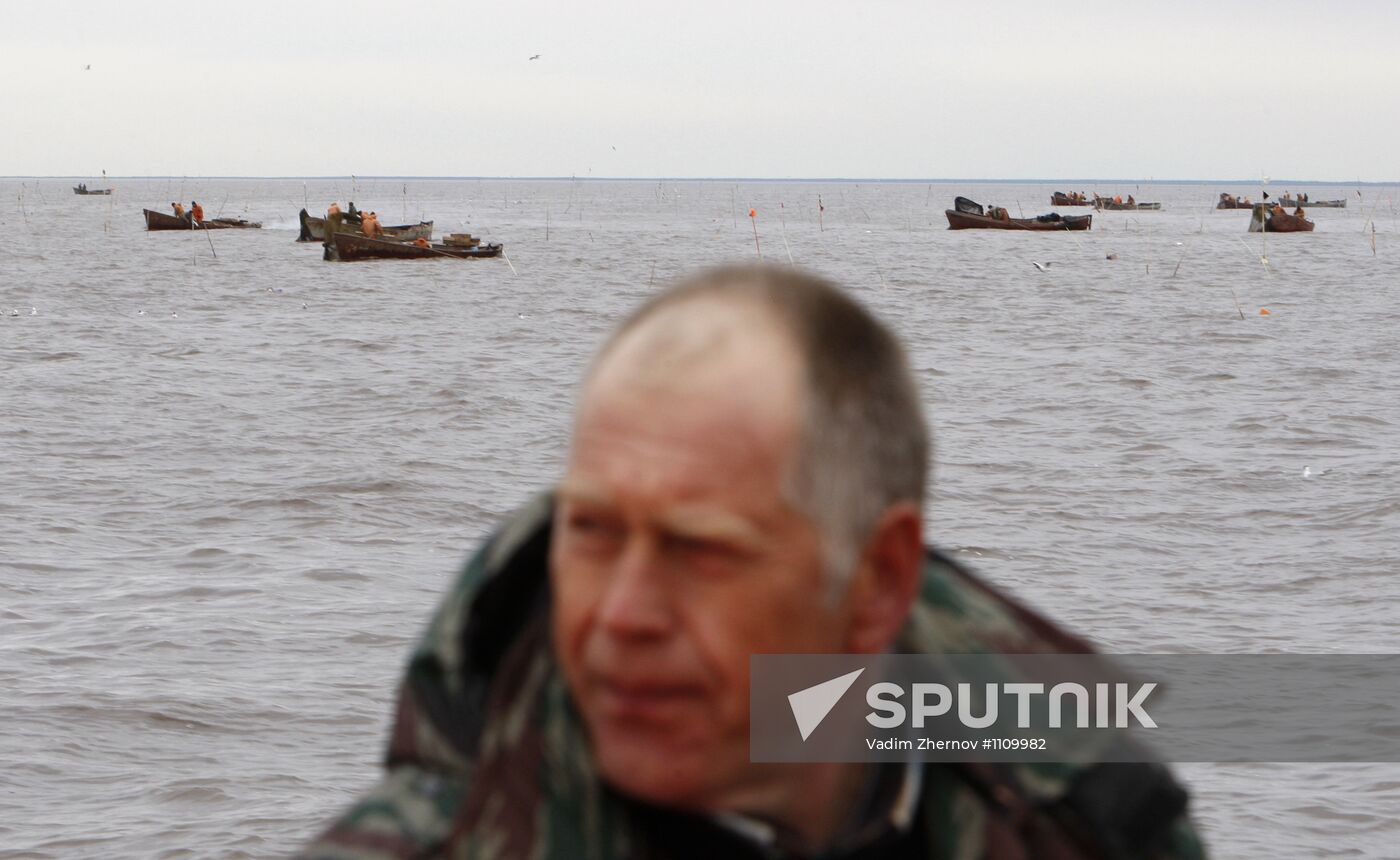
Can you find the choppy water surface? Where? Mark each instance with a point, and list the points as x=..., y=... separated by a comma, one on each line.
x=237, y=478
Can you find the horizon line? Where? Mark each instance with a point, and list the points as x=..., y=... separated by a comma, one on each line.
x=944, y=180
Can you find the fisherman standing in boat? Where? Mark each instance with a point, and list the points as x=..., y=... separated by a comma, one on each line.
x=369, y=225
x=747, y=475
x=352, y=215
x=179, y=209
x=196, y=212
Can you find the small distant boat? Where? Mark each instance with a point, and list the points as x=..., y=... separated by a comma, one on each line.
x=348, y=247
x=1059, y=198
x=313, y=229
x=1294, y=202
x=1106, y=203
x=161, y=221
x=1229, y=201
x=84, y=190
x=969, y=216
x=1266, y=220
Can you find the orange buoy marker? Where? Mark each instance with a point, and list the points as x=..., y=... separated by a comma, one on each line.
x=753, y=219
x=1263, y=312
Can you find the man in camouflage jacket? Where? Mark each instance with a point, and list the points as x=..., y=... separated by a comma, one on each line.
x=580, y=693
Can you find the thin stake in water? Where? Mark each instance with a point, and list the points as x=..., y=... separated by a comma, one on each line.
x=753, y=219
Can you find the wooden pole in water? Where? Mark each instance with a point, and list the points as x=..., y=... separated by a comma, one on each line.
x=821, y=215
x=753, y=219
x=782, y=216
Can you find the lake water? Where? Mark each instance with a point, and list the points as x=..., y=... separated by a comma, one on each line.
x=237, y=478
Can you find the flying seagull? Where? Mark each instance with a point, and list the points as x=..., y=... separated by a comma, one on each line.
x=535, y=57
x=1044, y=267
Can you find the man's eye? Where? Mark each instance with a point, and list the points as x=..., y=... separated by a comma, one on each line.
x=699, y=547
x=591, y=524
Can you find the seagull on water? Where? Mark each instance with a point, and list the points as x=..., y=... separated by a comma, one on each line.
x=14, y=312
x=1044, y=267
x=34, y=312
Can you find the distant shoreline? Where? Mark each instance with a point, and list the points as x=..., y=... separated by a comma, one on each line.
x=749, y=179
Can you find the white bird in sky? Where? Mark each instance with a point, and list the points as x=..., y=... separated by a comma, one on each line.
x=1044, y=267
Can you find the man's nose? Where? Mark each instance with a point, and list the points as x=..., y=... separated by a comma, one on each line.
x=636, y=602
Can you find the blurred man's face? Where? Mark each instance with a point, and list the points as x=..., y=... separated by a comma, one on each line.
x=675, y=556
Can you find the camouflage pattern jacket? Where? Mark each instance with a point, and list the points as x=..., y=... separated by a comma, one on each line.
x=487, y=758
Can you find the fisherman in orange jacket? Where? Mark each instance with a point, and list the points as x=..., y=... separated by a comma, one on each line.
x=196, y=211
x=179, y=210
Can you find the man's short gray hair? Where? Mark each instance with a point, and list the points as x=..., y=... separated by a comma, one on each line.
x=864, y=442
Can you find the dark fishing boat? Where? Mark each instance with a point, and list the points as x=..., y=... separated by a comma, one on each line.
x=313, y=229
x=161, y=221
x=1293, y=202
x=1059, y=198
x=347, y=247
x=1268, y=220
x=1229, y=201
x=969, y=216
x=84, y=190
x=1108, y=204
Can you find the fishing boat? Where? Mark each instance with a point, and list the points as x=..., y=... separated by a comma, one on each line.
x=1266, y=220
x=313, y=229
x=1293, y=202
x=1108, y=204
x=969, y=216
x=1229, y=201
x=84, y=190
x=348, y=247
x=161, y=221
x=1059, y=198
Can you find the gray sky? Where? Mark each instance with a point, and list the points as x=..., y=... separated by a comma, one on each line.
x=1005, y=89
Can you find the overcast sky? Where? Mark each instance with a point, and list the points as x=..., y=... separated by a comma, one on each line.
x=1004, y=89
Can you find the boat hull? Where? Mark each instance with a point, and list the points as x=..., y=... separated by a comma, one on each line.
x=1264, y=220
x=969, y=221
x=1291, y=203
x=313, y=229
x=90, y=192
x=161, y=221
x=1103, y=204
x=350, y=247
x=1058, y=199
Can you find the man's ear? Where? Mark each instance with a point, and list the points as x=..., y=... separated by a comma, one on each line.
x=887, y=580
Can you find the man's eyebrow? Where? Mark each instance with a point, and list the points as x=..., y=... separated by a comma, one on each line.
x=694, y=522
x=578, y=490
x=704, y=522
